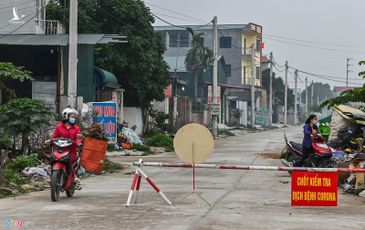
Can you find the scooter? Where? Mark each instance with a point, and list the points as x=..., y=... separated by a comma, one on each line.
x=321, y=158
x=61, y=177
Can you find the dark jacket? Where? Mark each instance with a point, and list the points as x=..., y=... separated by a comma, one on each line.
x=307, y=140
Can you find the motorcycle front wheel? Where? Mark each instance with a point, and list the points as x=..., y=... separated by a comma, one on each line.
x=71, y=190
x=56, y=184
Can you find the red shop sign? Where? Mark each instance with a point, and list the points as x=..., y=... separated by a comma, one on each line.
x=314, y=189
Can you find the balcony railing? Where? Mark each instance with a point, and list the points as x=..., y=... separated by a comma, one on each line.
x=50, y=27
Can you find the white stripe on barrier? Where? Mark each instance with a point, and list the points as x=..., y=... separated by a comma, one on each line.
x=262, y=168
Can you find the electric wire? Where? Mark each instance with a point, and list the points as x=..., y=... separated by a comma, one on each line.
x=311, y=46
x=3, y=36
x=315, y=42
x=175, y=12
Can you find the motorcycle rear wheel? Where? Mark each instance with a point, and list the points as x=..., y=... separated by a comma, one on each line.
x=56, y=184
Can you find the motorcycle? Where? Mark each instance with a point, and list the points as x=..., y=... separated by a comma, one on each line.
x=62, y=178
x=321, y=158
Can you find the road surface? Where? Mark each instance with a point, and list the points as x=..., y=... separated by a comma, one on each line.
x=240, y=199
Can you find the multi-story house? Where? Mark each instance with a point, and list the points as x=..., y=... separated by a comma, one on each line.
x=235, y=43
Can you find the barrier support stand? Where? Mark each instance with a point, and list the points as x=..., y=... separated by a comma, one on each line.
x=136, y=183
x=196, y=195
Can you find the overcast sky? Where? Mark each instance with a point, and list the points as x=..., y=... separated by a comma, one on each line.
x=340, y=22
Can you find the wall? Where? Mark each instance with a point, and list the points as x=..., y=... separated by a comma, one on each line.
x=232, y=56
x=250, y=40
x=133, y=115
x=85, y=72
x=26, y=11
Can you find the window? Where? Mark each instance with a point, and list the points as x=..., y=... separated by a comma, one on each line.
x=227, y=69
x=258, y=45
x=257, y=72
x=173, y=38
x=244, y=75
x=184, y=38
x=225, y=42
x=244, y=46
x=178, y=39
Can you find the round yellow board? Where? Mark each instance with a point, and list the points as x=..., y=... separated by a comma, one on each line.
x=193, y=143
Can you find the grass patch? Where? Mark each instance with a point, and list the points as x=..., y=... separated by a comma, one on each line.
x=225, y=132
x=111, y=167
x=14, y=168
x=161, y=140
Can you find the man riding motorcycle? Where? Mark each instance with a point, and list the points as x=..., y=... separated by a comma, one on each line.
x=68, y=129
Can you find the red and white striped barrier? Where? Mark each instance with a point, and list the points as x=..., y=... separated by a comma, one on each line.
x=262, y=168
x=136, y=184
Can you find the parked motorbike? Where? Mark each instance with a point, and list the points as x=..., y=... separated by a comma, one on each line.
x=321, y=158
x=61, y=177
x=355, y=182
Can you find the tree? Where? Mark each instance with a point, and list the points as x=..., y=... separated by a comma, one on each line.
x=278, y=89
x=138, y=64
x=198, y=59
x=23, y=116
x=10, y=71
x=355, y=95
x=320, y=92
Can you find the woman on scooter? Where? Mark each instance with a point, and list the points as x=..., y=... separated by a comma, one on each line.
x=310, y=131
x=68, y=129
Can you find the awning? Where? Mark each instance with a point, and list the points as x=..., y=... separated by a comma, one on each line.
x=59, y=39
x=350, y=113
x=105, y=78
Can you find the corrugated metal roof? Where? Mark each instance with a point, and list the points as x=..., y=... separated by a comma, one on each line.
x=58, y=39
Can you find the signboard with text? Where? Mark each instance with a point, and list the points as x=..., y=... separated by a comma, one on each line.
x=106, y=114
x=217, y=96
x=314, y=189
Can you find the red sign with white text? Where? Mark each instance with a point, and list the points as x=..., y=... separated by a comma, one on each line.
x=314, y=189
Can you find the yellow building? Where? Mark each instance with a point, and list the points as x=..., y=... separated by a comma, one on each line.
x=249, y=40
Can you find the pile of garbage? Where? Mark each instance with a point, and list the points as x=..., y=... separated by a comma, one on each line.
x=127, y=137
x=40, y=172
x=96, y=131
x=346, y=135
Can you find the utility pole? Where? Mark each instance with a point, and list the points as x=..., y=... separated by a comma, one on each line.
x=347, y=71
x=318, y=99
x=270, y=97
x=72, y=54
x=215, y=74
x=312, y=94
x=286, y=94
x=306, y=97
x=253, y=77
x=296, y=98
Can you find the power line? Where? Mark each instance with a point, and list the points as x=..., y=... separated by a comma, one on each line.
x=1, y=37
x=170, y=16
x=175, y=12
x=315, y=42
x=167, y=22
x=316, y=47
x=321, y=76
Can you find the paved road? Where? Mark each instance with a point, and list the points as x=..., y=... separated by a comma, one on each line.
x=241, y=200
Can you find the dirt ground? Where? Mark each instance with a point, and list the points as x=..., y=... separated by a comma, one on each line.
x=240, y=199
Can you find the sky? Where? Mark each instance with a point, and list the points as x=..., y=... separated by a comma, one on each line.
x=333, y=30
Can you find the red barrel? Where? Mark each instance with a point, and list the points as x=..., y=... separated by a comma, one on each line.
x=93, y=155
